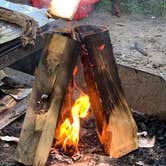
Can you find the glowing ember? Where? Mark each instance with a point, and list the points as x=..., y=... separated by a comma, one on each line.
x=68, y=135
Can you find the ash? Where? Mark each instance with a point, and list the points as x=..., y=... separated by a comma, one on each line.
x=91, y=152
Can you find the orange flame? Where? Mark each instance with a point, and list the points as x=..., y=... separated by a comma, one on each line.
x=69, y=132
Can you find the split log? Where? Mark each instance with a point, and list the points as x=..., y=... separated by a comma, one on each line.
x=52, y=77
x=28, y=24
x=92, y=89
x=10, y=110
x=117, y=129
x=10, y=114
x=6, y=102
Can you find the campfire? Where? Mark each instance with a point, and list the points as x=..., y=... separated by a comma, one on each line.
x=54, y=114
x=67, y=135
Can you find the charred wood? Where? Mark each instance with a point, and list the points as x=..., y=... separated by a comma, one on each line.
x=117, y=129
x=52, y=77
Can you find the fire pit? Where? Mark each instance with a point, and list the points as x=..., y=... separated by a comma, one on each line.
x=52, y=107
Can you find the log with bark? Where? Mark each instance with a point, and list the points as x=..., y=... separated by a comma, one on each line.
x=53, y=75
x=117, y=129
x=28, y=24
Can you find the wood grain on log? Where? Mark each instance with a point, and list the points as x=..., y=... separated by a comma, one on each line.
x=116, y=127
x=12, y=113
x=52, y=77
x=6, y=102
x=10, y=110
x=28, y=24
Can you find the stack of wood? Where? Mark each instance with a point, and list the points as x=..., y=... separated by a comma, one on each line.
x=13, y=105
x=28, y=24
x=115, y=125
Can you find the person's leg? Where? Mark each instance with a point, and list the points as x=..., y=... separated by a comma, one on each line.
x=116, y=7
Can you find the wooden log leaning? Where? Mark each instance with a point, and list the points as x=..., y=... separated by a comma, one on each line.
x=28, y=24
x=117, y=129
x=52, y=77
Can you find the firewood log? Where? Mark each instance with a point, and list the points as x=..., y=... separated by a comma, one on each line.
x=52, y=77
x=117, y=129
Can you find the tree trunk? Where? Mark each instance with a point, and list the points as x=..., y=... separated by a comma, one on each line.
x=116, y=127
x=52, y=77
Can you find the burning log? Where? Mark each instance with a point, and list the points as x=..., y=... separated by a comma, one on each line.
x=53, y=75
x=117, y=130
x=116, y=127
x=28, y=24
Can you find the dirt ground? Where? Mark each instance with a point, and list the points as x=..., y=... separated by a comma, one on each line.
x=91, y=152
x=147, y=33
x=127, y=32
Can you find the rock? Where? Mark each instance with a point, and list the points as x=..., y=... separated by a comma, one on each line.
x=139, y=163
x=6, y=145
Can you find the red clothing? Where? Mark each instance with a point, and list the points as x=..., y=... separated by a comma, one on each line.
x=40, y=3
x=85, y=7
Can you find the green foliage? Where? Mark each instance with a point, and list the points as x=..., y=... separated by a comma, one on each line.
x=164, y=8
x=144, y=7
x=104, y=5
